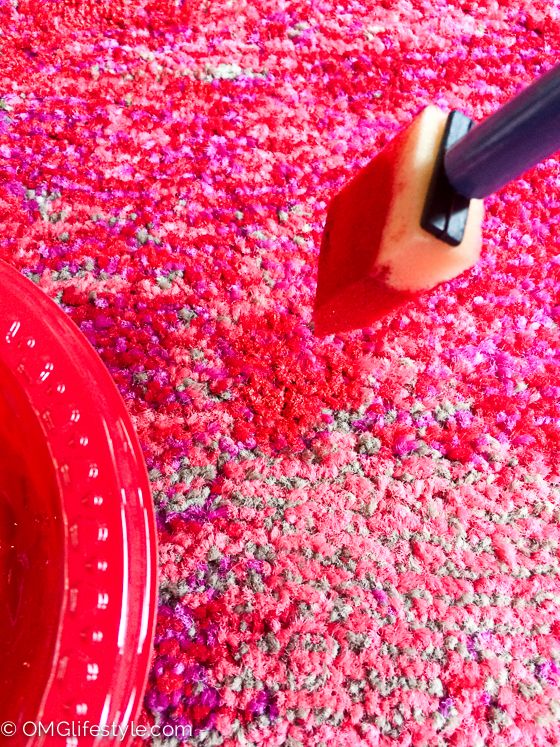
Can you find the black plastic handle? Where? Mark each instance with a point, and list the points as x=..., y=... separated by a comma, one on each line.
x=525, y=131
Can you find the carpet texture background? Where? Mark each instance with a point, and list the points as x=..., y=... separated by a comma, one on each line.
x=360, y=534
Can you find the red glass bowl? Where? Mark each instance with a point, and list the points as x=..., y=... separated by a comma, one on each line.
x=78, y=560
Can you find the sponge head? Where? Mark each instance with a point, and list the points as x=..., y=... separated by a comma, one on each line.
x=374, y=255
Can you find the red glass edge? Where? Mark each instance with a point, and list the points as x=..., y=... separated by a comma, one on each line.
x=105, y=627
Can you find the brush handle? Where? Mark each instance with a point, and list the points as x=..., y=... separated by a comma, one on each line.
x=519, y=135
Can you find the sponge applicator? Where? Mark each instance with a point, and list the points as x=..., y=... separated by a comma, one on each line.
x=412, y=218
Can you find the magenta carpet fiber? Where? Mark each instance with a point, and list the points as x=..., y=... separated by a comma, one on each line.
x=359, y=536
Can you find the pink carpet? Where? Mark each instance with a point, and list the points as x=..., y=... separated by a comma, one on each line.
x=359, y=535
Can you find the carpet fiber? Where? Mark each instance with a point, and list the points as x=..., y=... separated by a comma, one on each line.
x=359, y=536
